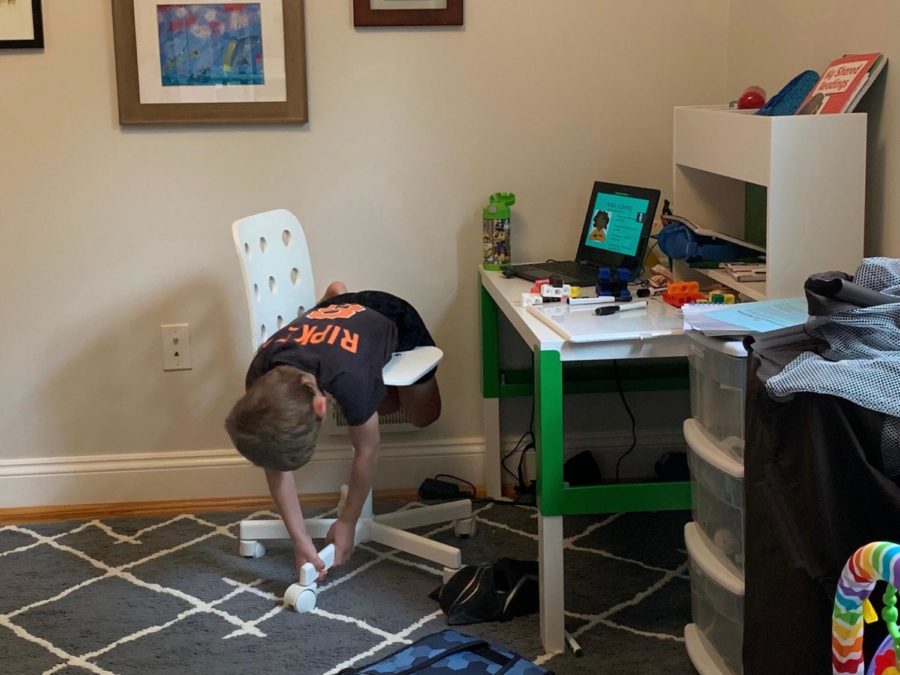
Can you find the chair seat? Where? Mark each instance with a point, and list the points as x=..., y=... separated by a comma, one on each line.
x=405, y=368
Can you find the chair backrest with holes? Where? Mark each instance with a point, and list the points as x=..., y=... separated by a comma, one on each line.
x=276, y=269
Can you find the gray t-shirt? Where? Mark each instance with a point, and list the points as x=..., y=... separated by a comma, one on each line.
x=345, y=346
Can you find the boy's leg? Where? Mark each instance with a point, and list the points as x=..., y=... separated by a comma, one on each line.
x=334, y=288
x=422, y=402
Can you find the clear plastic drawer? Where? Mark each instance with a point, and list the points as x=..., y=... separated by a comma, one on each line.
x=717, y=495
x=718, y=372
x=717, y=602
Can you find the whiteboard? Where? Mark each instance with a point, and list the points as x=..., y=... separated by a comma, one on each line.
x=579, y=323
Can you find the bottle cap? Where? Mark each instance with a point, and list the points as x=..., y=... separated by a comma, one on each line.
x=498, y=206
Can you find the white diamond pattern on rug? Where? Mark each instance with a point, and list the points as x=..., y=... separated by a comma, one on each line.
x=171, y=595
x=74, y=623
x=40, y=572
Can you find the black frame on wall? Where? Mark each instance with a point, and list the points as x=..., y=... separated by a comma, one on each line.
x=37, y=42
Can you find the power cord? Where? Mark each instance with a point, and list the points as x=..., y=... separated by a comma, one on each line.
x=520, y=470
x=529, y=434
x=435, y=488
x=630, y=415
x=469, y=495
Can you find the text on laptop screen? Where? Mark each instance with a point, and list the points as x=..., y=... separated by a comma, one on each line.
x=617, y=223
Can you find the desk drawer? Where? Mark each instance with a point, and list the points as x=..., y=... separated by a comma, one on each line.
x=717, y=496
x=718, y=372
x=717, y=603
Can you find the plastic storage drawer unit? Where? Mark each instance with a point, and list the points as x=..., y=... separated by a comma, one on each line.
x=715, y=638
x=718, y=372
x=717, y=495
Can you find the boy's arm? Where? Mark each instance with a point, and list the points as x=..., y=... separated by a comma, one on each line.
x=283, y=488
x=366, y=439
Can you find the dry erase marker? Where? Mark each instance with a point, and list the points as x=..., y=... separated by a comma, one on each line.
x=573, y=645
x=624, y=307
x=596, y=300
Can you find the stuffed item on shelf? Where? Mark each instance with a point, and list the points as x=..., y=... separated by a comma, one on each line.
x=788, y=100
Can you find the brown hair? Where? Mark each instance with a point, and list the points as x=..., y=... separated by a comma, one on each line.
x=274, y=424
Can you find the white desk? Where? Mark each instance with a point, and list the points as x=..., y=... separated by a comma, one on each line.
x=500, y=295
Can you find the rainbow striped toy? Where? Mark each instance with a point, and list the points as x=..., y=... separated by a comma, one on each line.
x=878, y=561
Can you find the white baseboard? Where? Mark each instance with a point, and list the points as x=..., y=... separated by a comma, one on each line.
x=220, y=473
x=209, y=474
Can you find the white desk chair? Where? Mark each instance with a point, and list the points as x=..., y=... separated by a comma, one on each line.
x=278, y=281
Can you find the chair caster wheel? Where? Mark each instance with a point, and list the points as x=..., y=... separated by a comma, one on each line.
x=301, y=598
x=252, y=549
x=465, y=527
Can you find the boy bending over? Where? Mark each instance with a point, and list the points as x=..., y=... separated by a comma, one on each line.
x=339, y=348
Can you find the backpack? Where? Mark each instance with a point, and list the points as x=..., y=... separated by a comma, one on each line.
x=449, y=652
x=497, y=591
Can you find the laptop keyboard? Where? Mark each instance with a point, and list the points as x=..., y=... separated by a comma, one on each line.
x=568, y=267
x=571, y=271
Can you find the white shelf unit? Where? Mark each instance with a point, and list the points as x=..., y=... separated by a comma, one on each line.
x=813, y=168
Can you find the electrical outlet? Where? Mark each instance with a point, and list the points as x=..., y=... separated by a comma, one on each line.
x=176, y=344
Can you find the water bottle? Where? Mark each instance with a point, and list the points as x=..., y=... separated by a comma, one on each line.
x=495, y=249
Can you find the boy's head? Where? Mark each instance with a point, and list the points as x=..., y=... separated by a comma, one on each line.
x=275, y=424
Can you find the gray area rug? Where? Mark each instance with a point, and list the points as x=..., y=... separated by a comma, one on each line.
x=171, y=595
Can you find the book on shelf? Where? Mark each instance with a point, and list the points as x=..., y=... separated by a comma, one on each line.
x=871, y=76
x=737, y=267
x=745, y=271
x=843, y=84
x=748, y=276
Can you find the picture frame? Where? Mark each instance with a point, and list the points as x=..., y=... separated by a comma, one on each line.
x=21, y=24
x=200, y=63
x=407, y=13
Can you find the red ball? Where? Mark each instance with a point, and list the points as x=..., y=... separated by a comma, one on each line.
x=753, y=97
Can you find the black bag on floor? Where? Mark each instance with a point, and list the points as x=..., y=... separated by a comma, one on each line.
x=491, y=592
x=451, y=653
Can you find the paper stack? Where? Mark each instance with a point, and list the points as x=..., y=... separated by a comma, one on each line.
x=745, y=318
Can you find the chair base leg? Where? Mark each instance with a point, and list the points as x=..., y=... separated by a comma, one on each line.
x=388, y=530
x=427, y=515
x=421, y=547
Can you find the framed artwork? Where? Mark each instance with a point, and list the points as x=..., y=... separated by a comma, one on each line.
x=210, y=62
x=407, y=12
x=21, y=26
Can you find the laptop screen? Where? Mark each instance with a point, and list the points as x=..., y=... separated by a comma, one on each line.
x=617, y=225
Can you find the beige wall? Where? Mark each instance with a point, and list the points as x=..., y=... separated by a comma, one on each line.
x=770, y=41
x=109, y=232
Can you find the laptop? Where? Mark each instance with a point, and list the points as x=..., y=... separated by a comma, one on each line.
x=615, y=234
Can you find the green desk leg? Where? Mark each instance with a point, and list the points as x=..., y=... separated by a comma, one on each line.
x=490, y=392
x=554, y=499
x=549, y=439
x=548, y=429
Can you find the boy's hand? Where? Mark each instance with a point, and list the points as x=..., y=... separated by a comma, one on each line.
x=342, y=534
x=304, y=552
